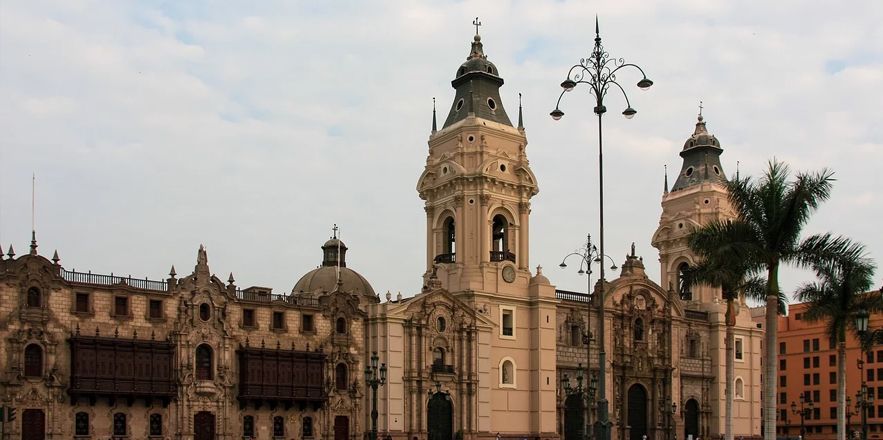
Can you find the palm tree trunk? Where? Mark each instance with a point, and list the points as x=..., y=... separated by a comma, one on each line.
x=770, y=376
x=730, y=373
x=841, y=389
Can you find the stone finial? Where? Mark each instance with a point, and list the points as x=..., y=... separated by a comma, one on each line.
x=11, y=252
x=153, y=335
x=135, y=334
x=263, y=345
x=77, y=332
x=55, y=258
x=539, y=270
x=116, y=332
x=388, y=296
x=230, y=280
x=399, y=297
x=172, y=272
x=97, y=332
x=33, y=242
x=434, y=125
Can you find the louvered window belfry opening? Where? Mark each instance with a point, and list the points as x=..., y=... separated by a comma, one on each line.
x=500, y=240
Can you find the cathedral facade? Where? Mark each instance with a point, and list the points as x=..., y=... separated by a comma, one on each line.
x=486, y=349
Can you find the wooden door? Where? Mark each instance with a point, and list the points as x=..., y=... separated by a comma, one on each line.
x=341, y=428
x=637, y=414
x=33, y=424
x=204, y=426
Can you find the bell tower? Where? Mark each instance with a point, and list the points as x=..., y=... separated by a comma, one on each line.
x=698, y=196
x=477, y=185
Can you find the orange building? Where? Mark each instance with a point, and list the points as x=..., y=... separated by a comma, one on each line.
x=808, y=365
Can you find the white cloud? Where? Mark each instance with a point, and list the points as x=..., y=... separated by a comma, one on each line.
x=253, y=128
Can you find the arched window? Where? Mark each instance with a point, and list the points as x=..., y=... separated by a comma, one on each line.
x=204, y=370
x=248, y=426
x=340, y=376
x=205, y=311
x=35, y=299
x=308, y=426
x=450, y=236
x=683, y=282
x=499, y=232
x=278, y=427
x=438, y=356
x=576, y=335
x=81, y=423
x=33, y=361
x=639, y=329
x=156, y=424
x=507, y=373
x=693, y=346
x=119, y=424
x=341, y=326
x=739, y=389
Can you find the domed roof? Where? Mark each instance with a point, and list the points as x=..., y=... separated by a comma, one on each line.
x=701, y=137
x=324, y=279
x=477, y=61
x=701, y=155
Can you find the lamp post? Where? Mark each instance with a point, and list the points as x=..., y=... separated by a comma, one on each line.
x=587, y=255
x=805, y=412
x=374, y=380
x=587, y=396
x=863, y=398
x=849, y=413
x=598, y=72
x=669, y=407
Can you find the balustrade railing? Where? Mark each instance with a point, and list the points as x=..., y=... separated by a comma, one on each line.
x=295, y=300
x=566, y=295
x=112, y=280
x=502, y=256
x=446, y=258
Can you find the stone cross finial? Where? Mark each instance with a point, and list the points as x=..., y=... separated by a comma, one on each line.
x=476, y=23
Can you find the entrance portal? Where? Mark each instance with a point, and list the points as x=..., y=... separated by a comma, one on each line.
x=440, y=423
x=204, y=426
x=691, y=419
x=574, y=417
x=637, y=404
x=341, y=428
x=33, y=424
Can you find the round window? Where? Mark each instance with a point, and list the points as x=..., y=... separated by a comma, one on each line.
x=470, y=138
x=441, y=323
x=459, y=104
x=444, y=170
x=503, y=168
x=471, y=201
x=205, y=312
x=689, y=172
x=716, y=170
x=491, y=103
x=707, y=201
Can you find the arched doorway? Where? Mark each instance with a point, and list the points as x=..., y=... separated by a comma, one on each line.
x=204, y=426
x=574, y=417
x=33, y=424
x=341, y=428
x=637, y=406
x=691, y=419
x=440, y=420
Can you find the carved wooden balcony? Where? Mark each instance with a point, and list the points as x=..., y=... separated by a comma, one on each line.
x=281, y=376
x=123, y=368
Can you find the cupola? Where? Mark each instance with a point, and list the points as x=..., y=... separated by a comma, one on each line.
x=701, y=156
x=477, y=84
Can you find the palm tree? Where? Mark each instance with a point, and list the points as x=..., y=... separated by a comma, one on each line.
x=734, y=278
x=771, y=213
x=845, y=274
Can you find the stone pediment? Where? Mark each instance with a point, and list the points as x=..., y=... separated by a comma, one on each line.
x=641, y=294
x=423, y=305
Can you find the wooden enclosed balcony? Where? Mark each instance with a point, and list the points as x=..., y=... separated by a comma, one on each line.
x=125, y=368
x=281, y=376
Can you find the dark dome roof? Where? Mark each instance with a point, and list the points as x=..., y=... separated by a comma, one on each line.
x=477, y=61
x=701, y=137
x=324, y=279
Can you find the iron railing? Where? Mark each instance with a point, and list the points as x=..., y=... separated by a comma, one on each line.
x=502, y=256
x=446, y=258
x=266, y=297
x=112, y=280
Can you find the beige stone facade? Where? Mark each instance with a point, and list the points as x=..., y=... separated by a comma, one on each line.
x=478, y=352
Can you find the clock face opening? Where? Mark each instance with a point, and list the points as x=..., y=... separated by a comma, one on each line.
x=508, y=274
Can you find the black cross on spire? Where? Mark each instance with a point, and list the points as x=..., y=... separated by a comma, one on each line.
x=477, y=24
x=700, y=108
x=335, y=229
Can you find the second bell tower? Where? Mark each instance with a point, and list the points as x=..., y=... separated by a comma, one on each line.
x=477, y=185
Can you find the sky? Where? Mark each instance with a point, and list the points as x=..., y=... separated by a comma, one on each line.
x=252, y=127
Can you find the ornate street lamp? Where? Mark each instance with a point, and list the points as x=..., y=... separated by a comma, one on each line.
x=587, y=255
x=863, y=399
x=373, y=380
x=805, y=412
x=849, y=413
x=598, y=72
